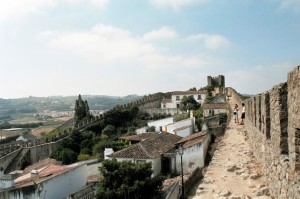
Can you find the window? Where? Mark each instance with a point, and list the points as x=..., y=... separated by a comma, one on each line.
x=199, y=97
x=140, y=161
x=178, y=105
x=177, y=98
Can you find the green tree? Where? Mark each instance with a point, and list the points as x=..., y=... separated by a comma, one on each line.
x=128, y=180
x=199, y=118
x=106, y=143
x=82, y=157
x=193, y=89
x=65, y=155
x=82, y=109
x=87, y=108
x=188, y=103
x=109, y=129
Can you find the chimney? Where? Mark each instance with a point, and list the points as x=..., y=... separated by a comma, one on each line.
x=34, y=173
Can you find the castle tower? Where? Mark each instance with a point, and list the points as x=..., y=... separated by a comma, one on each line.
x=218, y=81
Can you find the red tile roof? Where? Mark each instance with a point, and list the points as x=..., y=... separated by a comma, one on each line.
x=41, y=164
x=139, y=137
x=43, y=174
x=150, y=148
x=193, y=139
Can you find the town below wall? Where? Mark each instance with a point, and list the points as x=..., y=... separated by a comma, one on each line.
x=273, y=126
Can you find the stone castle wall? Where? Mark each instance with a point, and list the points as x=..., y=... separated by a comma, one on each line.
x=273, y=126
x=218, y=81
x=43, y=151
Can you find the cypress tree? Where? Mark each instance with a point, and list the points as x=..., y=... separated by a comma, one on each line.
x=82, y=109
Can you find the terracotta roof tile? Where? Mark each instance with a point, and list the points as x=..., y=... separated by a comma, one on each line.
x=150, y=148
x=43, y=174
x=193, y=139
x=41, y=164
x=139, y=137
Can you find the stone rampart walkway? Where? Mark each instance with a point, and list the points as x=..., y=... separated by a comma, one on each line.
x=233, y=172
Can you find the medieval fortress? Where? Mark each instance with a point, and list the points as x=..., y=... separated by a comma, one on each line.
x=272, y=122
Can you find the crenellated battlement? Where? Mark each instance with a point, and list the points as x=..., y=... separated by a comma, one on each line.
x=273, y=125
x=218, y=81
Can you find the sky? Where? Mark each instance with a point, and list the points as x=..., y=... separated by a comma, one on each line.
x=119, y=48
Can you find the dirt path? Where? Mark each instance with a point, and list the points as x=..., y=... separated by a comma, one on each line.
x=233, y=172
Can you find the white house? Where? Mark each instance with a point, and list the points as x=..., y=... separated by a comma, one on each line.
x=194, y=152
x=26, y=138
x=215, y=109
x=158, y=124
x=177, y=96
x=182, y=128
x=150, y=150
x=50, y=181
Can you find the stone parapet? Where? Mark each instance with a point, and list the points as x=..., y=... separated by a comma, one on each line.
x=273, y=125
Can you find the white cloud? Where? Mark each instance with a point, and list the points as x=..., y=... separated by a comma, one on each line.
x=15, y=8
x=100, y=3
x=102, y=44
x=290, y=4
x=211, y=42
x=109, y=45
x=46, y=34
x=12, y=9
x=162, y=33
x=257, y=79
x=176, y=4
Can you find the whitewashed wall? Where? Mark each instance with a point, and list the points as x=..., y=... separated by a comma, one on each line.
x=187, y=122
x=193, y=157
x=156, y=166
x=174, y=101
x=65, y=184
x=206, y=112
x=141, y=130
x=57, y=187
x=184, y=132
x=161, y=122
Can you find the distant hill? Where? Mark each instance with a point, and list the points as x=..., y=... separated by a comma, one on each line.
x=9, y=108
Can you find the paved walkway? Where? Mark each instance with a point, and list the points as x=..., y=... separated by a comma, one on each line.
x=233, y=172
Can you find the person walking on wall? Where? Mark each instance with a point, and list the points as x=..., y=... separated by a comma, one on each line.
x=243, y=113
x=235, y=114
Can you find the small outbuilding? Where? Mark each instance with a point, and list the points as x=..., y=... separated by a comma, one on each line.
x=26, y=138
